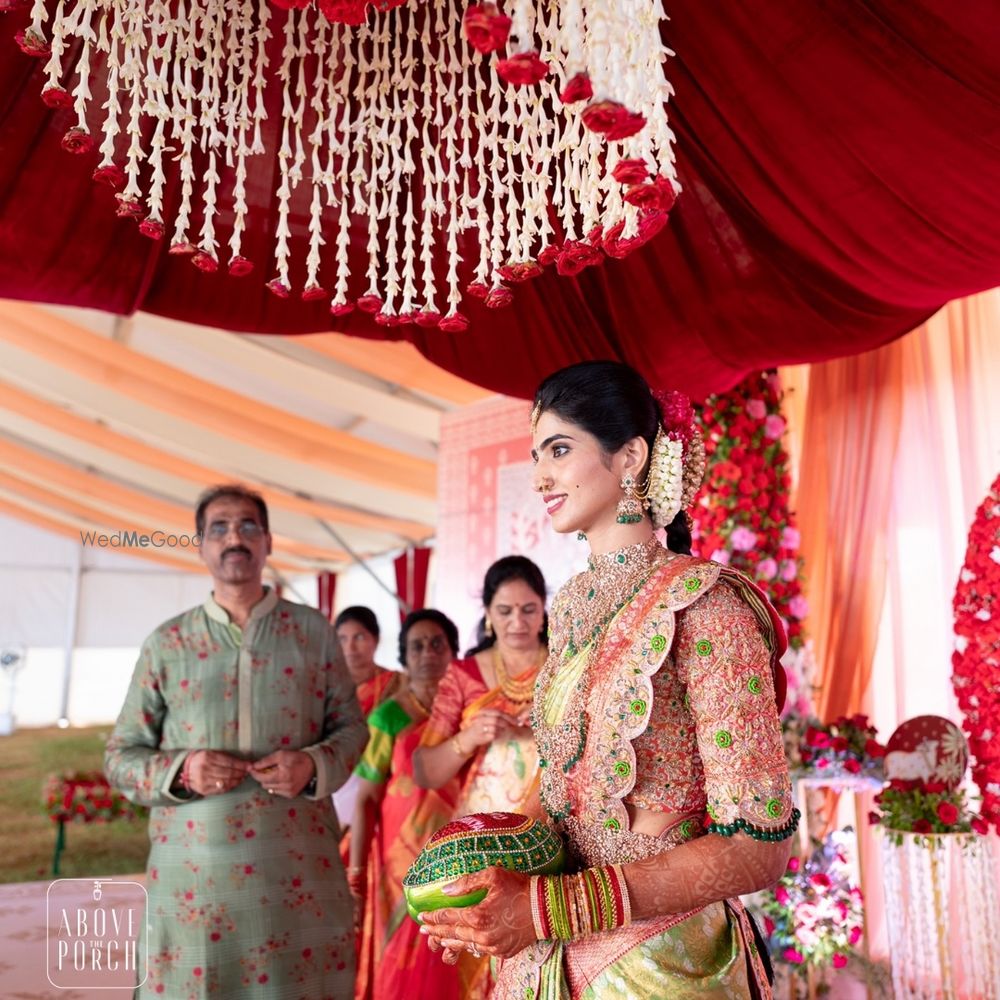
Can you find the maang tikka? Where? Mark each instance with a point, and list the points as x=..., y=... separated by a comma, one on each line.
x=630, y=507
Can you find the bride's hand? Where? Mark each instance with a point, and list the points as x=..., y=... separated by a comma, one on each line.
x=500, y=925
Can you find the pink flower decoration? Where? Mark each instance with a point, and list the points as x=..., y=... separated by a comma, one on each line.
x=781, y=895
x=742, y=539
x=794, y=863
x=855, y=935
x=790, y=538
x=774, y=426
x=798, y=606
x=721, y=556
x=522, y=70
x=757, y=409
x=793, y=956
x=789, y=570
x=839, y=960
x=767, y=569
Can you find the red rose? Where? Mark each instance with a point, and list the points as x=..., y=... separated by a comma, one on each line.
x=839, y=960
x=649, y=225
x=453, y=323
x=522, y=70
x=839, y=744
x=934, y=787
x=578, y=88
x=205, y=261
x=369, y=303
x=922, y=826
x=947, y=813
x=548, y=256
x=477, y=289
x=658, y=195
x=277, y=287
x=341, y=308
x=627, y=125
x=344, y=11
x=817, y=738
x=387, y=319
x=291, y=4
x=239, y=267
x=313, y=292
x=427, y=318
x=179, y=249
x=768, y=926
x=576, y=256
x=56, y=97
x=129, y=208
x=602, y=116
x=630, y=171
x=980, y=826
x=874, y=818
x=524, y=270
x=499, y=297
x=852, y=766
x=485, y=28
x=820, y=880
x=794, y=863
x=31, y=43
x=151, y=229
x=110, y=174
x=77, y=140
x=874, y=749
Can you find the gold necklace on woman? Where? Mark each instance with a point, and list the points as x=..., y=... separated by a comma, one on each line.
x=519, y=690
x=426, y=709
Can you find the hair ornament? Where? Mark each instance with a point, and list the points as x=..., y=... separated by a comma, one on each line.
x=677, y=462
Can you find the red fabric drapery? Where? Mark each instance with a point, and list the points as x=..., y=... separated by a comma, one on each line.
x=326, y=584
x=411, y=579
x=841, y=173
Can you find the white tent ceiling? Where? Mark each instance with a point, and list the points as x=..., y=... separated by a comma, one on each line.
x=114, y=424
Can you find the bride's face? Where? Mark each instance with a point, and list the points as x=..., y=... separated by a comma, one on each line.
x=578, y=481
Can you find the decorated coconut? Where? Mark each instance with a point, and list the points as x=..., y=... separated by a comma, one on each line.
x=470, y=844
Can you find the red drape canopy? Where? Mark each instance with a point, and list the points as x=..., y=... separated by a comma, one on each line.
x=841, y=174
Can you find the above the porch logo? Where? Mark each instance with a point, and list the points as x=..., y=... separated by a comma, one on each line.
x=94, y=934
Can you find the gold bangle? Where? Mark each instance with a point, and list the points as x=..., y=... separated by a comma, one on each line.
x=456, y=745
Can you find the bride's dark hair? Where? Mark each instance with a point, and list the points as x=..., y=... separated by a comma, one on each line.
x=612, y=402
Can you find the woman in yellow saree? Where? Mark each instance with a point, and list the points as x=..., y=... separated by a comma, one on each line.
x=478, y=731
x=661, y=754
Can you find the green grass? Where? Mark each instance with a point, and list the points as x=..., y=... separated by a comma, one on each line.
x=28, y=836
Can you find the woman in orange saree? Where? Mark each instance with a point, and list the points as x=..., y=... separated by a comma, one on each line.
x=393, y=818
x=479, y=729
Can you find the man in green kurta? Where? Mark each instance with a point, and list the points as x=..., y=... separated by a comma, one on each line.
x=239, y=723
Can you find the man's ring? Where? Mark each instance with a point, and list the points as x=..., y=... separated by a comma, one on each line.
x=270, y=791
x=474, y=950
x=218, y=784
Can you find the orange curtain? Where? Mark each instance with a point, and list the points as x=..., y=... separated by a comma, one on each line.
x=851, y=428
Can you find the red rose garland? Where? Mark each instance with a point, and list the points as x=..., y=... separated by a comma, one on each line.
x=976, y=660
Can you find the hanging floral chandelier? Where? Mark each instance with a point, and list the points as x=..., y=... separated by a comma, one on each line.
x=537, y=136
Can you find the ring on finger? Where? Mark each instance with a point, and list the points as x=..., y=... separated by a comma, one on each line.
x=474, y=950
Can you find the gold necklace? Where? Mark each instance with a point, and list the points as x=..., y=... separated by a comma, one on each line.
x=426, y=709
x=519, y=690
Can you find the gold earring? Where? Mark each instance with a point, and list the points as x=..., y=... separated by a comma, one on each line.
x=630, y=505
x=487, y=626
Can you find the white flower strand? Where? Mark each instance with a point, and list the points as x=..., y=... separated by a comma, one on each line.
x=401, y=123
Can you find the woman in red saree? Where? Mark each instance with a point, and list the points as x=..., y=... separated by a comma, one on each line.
x=479, y=730
x=393, y=818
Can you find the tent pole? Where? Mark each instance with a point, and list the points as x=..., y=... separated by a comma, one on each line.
x=72, y=625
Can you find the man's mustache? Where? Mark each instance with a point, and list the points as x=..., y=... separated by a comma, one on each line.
x=236, y=548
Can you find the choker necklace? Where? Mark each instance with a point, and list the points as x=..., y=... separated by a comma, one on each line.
x=519, y=690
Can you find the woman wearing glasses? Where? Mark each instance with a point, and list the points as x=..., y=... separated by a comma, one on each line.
x=393, y=817
x=480, y=730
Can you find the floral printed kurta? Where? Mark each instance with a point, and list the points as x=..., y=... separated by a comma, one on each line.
x=247, y=894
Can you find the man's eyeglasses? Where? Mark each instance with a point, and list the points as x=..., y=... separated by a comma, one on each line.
x=437, y=645
x=247, y=530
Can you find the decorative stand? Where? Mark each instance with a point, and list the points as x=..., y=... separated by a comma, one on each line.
x=840, y=782
x=943, y=916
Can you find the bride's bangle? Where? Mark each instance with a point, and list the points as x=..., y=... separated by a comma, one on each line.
x=456, y=745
